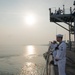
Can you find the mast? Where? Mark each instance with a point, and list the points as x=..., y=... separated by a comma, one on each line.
x=67, y=18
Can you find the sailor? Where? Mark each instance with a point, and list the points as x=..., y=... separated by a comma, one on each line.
x=54, y=62
x=61, y=55
x=52, y=45
x=54, y=52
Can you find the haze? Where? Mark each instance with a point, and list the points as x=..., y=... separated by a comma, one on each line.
x=14, y=31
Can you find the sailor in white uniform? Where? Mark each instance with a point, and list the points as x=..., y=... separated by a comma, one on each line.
x=61, y=55
x=54, y=52
x=51, y=46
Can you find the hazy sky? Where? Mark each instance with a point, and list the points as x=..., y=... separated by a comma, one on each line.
x=13, y=29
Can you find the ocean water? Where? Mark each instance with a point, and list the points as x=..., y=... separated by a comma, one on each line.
x=22, y=60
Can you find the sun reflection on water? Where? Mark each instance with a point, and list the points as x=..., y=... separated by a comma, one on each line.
x=29, y=69
x=32, y=69
x=29, y=51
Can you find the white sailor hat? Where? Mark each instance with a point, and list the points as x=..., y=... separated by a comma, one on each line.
x=59, y=35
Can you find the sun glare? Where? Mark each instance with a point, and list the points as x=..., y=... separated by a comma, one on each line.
x=30, y=19
x=29, y=50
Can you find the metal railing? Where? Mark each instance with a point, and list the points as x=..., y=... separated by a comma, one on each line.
x=72, y=45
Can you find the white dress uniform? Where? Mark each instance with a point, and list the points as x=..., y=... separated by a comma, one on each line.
x=54, y=54
x=52, y=46
x=61, y=56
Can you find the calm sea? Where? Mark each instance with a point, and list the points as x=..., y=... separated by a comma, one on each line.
x=22, y=60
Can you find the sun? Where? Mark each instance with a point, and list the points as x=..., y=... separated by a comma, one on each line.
x=30, y=19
